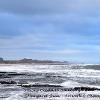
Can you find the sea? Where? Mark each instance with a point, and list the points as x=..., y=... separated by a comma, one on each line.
x=49, y=82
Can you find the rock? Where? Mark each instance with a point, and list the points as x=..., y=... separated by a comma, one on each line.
x=7, y=82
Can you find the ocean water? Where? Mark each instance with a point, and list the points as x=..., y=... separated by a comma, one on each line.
x=49, y=82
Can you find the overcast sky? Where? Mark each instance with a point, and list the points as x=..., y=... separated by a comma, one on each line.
x=50, y=29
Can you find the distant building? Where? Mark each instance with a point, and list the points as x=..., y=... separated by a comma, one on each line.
x=25, y=60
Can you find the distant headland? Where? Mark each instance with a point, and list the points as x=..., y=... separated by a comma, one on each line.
x=31, y=61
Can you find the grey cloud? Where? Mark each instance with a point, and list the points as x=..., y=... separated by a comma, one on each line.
x=48, y=6
x=33, y=6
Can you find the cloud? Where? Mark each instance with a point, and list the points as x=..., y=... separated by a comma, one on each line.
x=33, y=6
x=13, y=25
x=52, y=29
x=48, y=6
x=38, y=46
x=9, y=25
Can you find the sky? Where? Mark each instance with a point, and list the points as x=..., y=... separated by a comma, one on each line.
x=65, y=30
